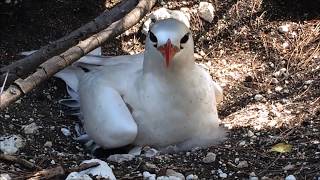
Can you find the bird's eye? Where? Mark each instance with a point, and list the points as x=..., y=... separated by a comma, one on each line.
x=153, y=38
x=184, y=39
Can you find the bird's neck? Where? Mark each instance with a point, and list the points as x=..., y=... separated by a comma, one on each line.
x=177, y=67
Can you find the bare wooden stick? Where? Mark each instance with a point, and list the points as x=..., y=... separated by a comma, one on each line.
x=53, y=172
x=18, y=160
x=27, y=65
x=82, y=167
x=47, y=173
x=57, y=63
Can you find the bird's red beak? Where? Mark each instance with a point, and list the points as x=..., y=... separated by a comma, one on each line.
x=168, y=51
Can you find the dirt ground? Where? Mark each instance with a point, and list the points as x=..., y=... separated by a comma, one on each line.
x=270, y=77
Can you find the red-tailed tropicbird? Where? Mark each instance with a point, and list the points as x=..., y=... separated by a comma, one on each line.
x=158, y=98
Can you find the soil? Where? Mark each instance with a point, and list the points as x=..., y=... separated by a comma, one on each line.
x=270, y=77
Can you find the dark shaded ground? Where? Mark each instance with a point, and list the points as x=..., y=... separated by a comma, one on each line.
x=242, y=49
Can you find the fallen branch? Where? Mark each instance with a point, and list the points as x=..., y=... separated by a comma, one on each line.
x=59, y=171
x=27, y=65
x=18, y=160
x=57, y=63
x=47, y=173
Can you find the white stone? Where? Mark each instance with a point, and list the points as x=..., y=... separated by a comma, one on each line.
x=151, y=152
x=285, y=45
x=148, y=176
x=48, y=144
x=78, y=176
x=277, y=74
x=171, y=172
x=30, y=128
x=65, y=131
x=258, y=97
x=278, y=89
x=290, y=177
x=11, y=144
x=253, y=178
x=210, y=157
x=192, y=177
x=5, y=177
x=242, y=143
x=283, y=71
x=164, y=13
x=274, y=81
x=308, y=82
x=250, y=133
x=284, y=28
x=168, y=178
x=136, y=151
x=222, y=174
x=236, y=160
x=206, y=11
x=103, y=170
x=242, y=164
x=288, y=167
x=119, y=158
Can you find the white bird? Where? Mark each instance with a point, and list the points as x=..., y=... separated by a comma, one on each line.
x=160, y=98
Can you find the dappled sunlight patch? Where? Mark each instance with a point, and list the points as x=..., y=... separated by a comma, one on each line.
x=260, y=116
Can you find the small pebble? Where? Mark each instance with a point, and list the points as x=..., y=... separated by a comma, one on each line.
x=274, y=81
x=285, y=45
x=284, y=28
x=242, y=143
x=171, y=172
x=242, y=164
x=192, y=177
x=278, y=89
x=210, y=157
x=30, y=128
x=168, y=178
x=48, y=144
x=258, y=97
x=288, y=167
x=206, y=11
x=290, y=177
x=236, y=160
x=11, y=144
x=5, y=177
x=148, y=176
x=250, y=133
x=119, y=158
x=65, y=131
x=308, y=82
x=253, y=178
x=222, y=174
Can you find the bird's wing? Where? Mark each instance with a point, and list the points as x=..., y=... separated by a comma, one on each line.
x=105, y=115
x=107, y=119
x=91, y=62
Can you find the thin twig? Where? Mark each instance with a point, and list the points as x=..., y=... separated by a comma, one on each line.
x=18, y=160
x=3, y=85
x=83, y=166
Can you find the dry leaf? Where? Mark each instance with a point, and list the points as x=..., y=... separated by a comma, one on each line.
x=281, y=148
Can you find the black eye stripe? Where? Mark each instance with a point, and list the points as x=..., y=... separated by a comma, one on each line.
x=185, y=38
x=152, y=37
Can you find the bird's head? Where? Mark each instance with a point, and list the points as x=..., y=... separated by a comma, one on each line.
x=170, y=41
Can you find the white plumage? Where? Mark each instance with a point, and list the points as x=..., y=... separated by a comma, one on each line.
x=158, y=98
